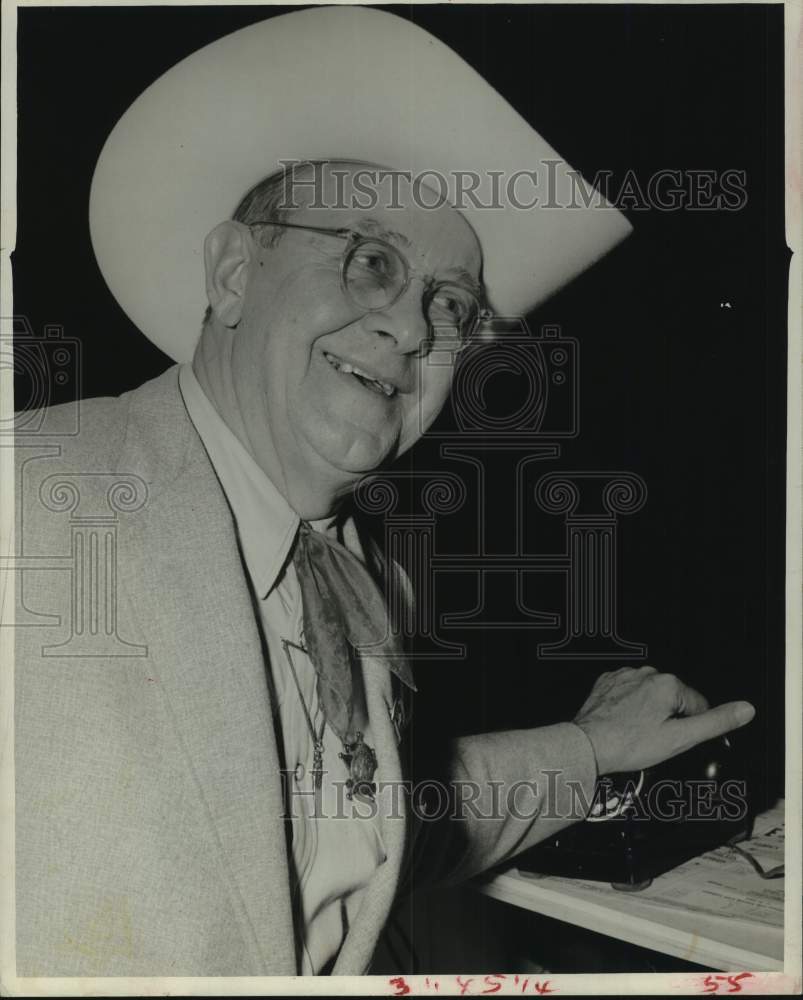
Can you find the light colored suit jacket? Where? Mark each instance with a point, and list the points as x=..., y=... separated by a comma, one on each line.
x=150, y=837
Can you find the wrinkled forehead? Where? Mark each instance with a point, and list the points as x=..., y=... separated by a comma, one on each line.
x=386, y=202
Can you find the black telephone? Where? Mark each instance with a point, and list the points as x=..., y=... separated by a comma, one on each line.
x=644, y=823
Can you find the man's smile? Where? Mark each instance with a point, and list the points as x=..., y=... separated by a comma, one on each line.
x=364, y=377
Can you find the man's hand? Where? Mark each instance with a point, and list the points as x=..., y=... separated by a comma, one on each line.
x=637, y=718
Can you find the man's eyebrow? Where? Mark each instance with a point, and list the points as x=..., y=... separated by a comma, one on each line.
x=466, y=278
x=372, y=227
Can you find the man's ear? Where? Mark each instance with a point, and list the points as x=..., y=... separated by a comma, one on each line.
x=228, y=255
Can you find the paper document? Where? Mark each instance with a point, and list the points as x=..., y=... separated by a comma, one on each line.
x=722, y=883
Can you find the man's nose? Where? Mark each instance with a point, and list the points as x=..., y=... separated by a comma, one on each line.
x=404, y=321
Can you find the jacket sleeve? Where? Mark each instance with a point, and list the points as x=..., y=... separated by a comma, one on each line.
x=484, y=799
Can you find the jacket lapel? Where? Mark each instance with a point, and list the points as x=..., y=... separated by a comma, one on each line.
x=182, y=566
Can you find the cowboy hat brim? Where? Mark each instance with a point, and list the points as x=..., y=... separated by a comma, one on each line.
x=327, y=83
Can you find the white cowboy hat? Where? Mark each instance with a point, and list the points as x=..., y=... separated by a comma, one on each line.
x=326, y=83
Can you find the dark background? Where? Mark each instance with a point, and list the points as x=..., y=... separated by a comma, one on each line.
x=676, y=386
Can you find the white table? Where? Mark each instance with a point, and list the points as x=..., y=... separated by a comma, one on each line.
x=718, y=941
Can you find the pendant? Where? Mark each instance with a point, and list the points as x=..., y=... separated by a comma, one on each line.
x=317, y=764
x=362, y=763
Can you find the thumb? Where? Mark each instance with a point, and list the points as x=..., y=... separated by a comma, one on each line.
x=690, y=730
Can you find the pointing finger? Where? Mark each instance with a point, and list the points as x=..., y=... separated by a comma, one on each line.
x=694, y=729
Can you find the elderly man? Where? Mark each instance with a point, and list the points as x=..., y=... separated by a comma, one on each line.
x=218, y=790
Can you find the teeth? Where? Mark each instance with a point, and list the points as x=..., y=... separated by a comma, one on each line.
x=343, y=366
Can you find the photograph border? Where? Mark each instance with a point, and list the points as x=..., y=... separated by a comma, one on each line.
x=786, y=982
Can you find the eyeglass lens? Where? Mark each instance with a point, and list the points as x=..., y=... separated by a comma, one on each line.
x=375, y=275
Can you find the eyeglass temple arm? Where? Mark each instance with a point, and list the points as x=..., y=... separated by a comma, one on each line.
x=342, y=233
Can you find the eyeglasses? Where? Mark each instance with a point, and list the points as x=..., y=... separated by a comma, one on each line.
x=374, y=275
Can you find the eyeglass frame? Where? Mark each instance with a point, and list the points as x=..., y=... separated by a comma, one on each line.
x=354, y=238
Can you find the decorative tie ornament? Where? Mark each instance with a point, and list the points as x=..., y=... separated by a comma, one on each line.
x=344, y=617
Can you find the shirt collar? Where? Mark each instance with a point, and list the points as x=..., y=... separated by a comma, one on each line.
x=266, y=523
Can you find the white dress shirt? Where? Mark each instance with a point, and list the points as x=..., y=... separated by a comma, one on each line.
x=336, y=851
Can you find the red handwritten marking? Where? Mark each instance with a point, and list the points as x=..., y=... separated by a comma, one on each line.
x=712, y=983
x=492, y=984
x=488, y=985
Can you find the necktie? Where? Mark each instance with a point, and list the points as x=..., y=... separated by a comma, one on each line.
x=344, y=616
